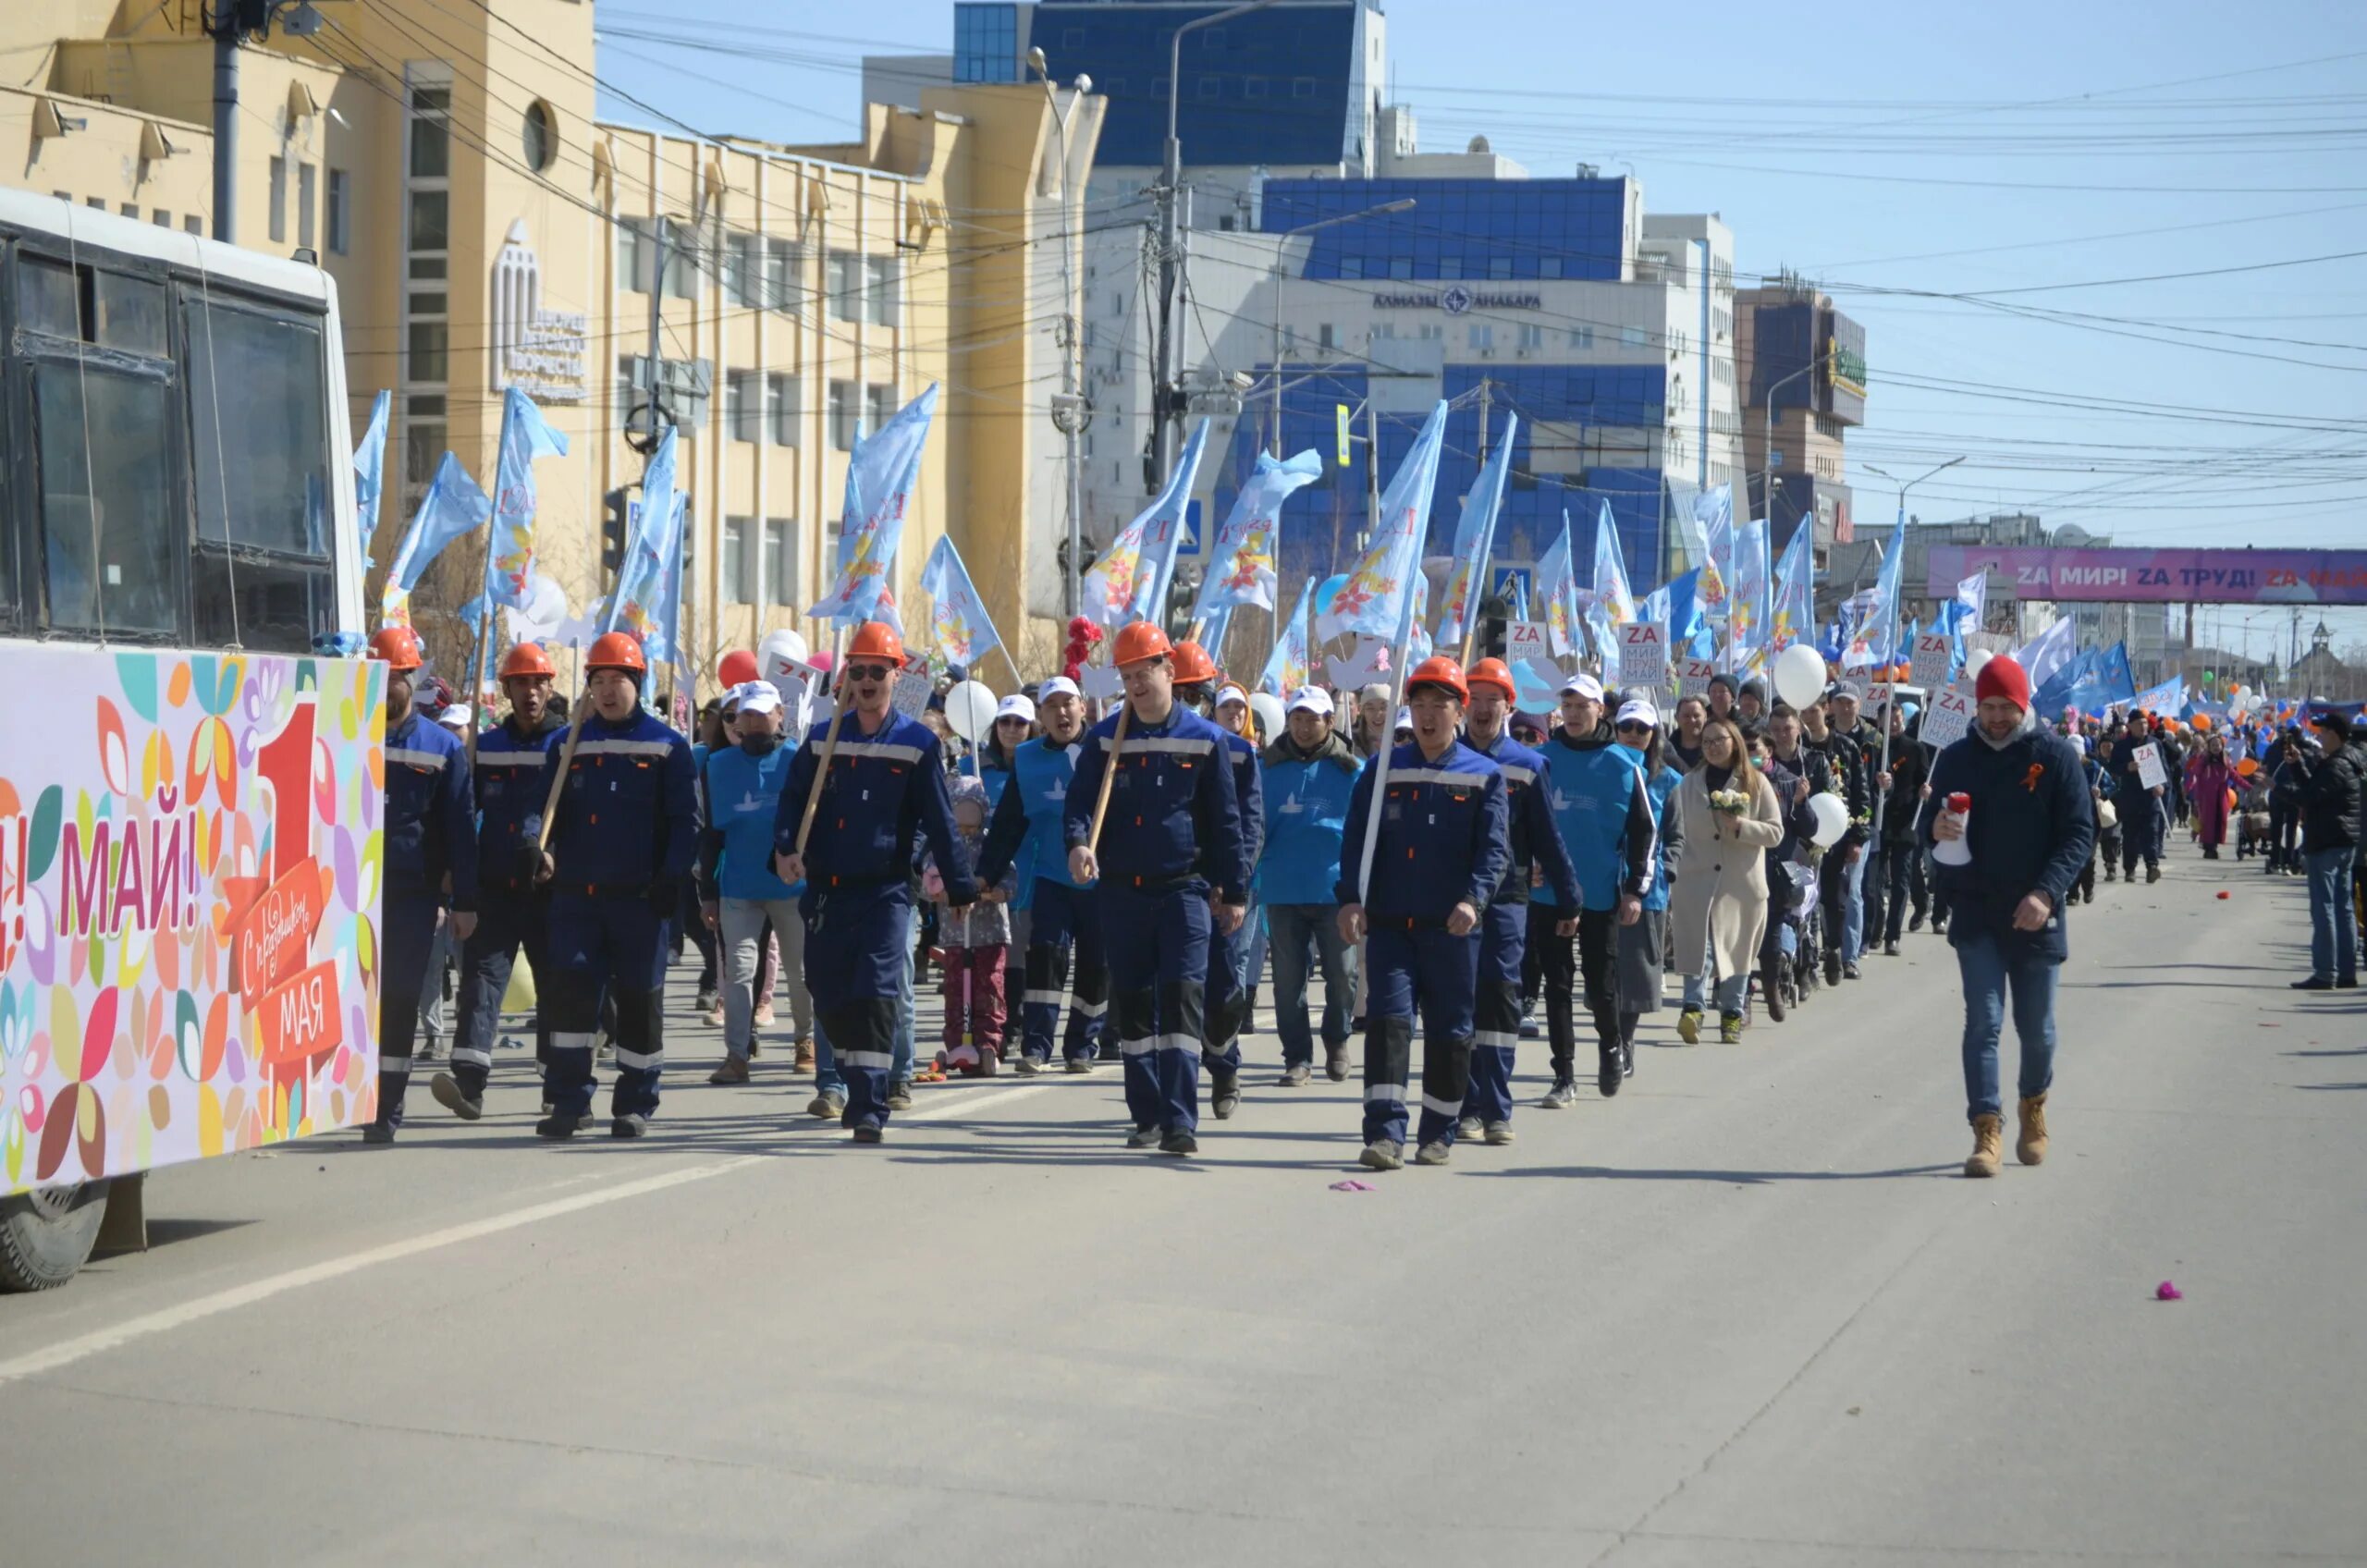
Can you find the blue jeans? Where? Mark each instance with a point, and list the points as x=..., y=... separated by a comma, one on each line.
x=828, y=1079
x=1989, y=969
x=1853, y=905
x=1300, y=933
x=2334, y=932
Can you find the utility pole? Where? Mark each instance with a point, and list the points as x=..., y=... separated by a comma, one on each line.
x=230, y=23
x=1072, y=411
x=1167, y=368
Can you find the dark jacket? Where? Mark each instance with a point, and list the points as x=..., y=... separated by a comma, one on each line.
x=2032, y=828
x=1910, y=768
x=1851, y=779
x=2331, y=790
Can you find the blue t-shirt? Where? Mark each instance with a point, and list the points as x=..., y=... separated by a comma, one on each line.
x=742, y=796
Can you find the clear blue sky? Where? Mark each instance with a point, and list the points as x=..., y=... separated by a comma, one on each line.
x=1893, y=153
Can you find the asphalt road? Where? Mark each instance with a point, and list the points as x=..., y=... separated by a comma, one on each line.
x=1747, y=1313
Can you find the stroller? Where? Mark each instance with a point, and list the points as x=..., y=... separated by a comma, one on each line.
x=1792, y=948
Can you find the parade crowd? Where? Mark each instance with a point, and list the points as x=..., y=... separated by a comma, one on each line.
x=1127, y=887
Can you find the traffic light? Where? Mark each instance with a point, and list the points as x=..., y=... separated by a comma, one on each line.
x=1495, y=620
x=614, y=531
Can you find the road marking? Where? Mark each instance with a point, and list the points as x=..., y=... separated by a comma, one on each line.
x=66, y=1352
x=963, y=1103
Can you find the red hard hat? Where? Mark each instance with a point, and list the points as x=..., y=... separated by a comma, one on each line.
x=1192, y=665
x=1492, y=672
x=399, y=645
x=1439, y=670
x=617, y=649
x=1137, y=641
x=527, y=659
x=876, y=640
x=738, y=668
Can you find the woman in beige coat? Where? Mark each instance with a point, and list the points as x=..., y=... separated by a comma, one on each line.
x=1721, y=883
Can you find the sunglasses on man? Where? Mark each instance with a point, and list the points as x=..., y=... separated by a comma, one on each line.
x=868, y=672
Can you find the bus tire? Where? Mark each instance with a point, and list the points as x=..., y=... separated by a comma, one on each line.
x=46, y=1236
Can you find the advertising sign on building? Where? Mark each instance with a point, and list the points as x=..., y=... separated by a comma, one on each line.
x=538, y=351
x=190, y=872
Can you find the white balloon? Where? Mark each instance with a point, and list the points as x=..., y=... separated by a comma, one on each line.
x=1973, y=663
x=1832, y=820
x=1799, y=675
x=1269, y=707
x=778, y=648
x=970, y=709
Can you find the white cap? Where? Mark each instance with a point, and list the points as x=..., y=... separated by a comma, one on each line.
x=1585, y=685
x=1229, y=692
x=753, y=696
x=1636, y=710
x=1310, y=699
x=1058, y=686
x=456, y=716
x=1016, y=706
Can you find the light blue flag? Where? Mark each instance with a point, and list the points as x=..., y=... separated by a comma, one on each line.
x=1557, y=594
x=1611, y=589
x=881, y=476
x=1867, y=641
x=1246, y=553
x=1475, y=536
x=1129, y=583
x=1287, y=667
x=2169, y=697
x=525, y=435
x=1751, y=606
x=370, y=472
x=1419, y=646
x=1212, y=629
x=1379, y=597
x=966, y=633
x=1795, y=618
x=664, y=642
x=452, y=506
x=641, y=578
x=2050, y=651
x=1676, y=608
x=1709, y=533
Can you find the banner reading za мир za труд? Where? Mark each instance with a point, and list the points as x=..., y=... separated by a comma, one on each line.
x=190, y=863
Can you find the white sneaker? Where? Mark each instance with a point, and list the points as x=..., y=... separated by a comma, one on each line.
x=1467, y=1127
x=1500, y=1132
x=1561, y=1096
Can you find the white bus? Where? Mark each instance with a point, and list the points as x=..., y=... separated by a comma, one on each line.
x=177, y=539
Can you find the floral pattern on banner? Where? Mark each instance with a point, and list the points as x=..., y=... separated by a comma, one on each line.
x=190, y=858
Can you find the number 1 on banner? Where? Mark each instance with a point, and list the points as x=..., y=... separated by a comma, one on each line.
x=285, y=762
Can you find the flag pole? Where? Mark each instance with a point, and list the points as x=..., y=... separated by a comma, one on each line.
x=829, y=736
x=485, y=636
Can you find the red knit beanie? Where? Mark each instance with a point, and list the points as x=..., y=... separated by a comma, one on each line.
x=2002, y=676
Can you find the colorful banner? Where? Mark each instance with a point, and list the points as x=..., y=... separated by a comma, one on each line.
x=656, y=540
x=1379, y=593
x=964, y=631
x=1794, y=619
x=1754, y=589
x=881, y=476
x=1708, y=533
x=1127, y=581
x=190, y=874
x=1557, y=591
x=1611, y=574
x=1869, y=638
x=1475, y=535
x=1249, y=544
x=2177, y=577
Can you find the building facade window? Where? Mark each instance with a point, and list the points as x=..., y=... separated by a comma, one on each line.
x=736, y=587
x=742, y=264
x=781, y=409
x=781, y=561
x=1324, y=335
x=744, y=411
x=538, y=136
x=883, y=406
x=1631, y=337
x=426, y=300
x=845, y=286
x=277, y=197
x=340, y=212
x=845, y=414
x=308, y=192
x=880, y=272
x=784, y=275
x=1483, y=335
x=1532, y=336
x=1582, y=338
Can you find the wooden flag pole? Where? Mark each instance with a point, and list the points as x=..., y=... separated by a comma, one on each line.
x=1109, y=776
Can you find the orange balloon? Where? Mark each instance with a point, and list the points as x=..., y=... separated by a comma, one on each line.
x=2246, y=768
x=2203, y=722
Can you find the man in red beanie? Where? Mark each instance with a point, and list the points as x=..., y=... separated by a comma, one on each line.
x=2030, y=824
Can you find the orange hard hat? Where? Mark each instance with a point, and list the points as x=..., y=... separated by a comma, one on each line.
x=527, y=660
x=617, y=649
x=1137, y=641
x=1439, y=670
x=1193, y=664
x=399, y=645
x=738, y=668
x=1492, y=672
x=876, y=640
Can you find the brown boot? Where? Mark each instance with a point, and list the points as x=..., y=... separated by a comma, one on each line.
x=2030, y=1145
x=804, y=1063
x=1988, y=1135
x=733, y=1071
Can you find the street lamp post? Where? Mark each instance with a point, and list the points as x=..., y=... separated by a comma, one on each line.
x=1903, y=488
x=1767, y=451
x=1166, y=373
x=1281, y=275
x=1071, y=410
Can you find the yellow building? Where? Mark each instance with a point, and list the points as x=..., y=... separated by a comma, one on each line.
x=486, y=231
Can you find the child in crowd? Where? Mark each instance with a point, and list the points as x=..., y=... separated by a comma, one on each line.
x=973, y=944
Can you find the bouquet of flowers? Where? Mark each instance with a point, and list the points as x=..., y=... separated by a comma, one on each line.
x=1733, y=802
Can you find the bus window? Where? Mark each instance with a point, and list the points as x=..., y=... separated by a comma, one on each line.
x=47, y=299
x=130, y=314
x=106, y=500
x=265, y=577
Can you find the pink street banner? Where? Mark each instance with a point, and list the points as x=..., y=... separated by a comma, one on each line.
x=2176, y=577
x=189, y=871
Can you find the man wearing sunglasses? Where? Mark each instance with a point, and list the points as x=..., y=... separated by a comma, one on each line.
x=1167, y=870
x=885, y=793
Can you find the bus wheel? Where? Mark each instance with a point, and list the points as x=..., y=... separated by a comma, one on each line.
x=46, y=1236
